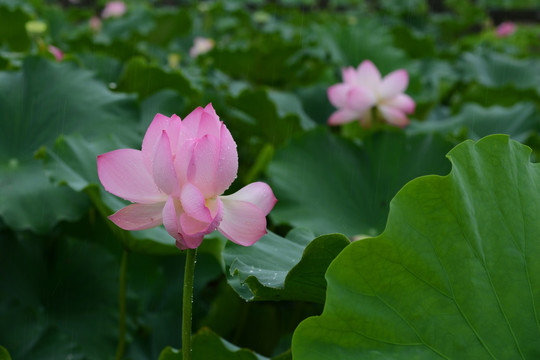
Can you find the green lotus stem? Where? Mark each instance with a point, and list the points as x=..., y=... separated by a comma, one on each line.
x=187, y=304
x=122, y=307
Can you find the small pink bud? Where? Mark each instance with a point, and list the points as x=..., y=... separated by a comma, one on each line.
x=56, y=52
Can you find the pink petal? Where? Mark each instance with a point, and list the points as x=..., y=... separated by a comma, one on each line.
x=401, y=102
x=183, y=159
x=394, y=116
x=342, y=116
x=394, y=83
x=242, y=223
x=201, y=122
x=210, y=109
x=349, y=76
x=227, y=167
x=203, y=166
x=258, y=194
x=163, y=168
x=337, y=94
x=138, y=216
x=194, y=204
x=171, y=222
x=360, y=99
x=368, y=75
x=153, y=133
x=192, y=227
x=123, y=173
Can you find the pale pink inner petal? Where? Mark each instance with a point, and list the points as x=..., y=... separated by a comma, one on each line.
x=360, y=99
x=138, y=216
x=123, y=173
x=402, y=102
x=343, y=116
x=368, y=75
x=257, y=193
x=227, y=166
x=394, y=83
x=242, y=223
x=337, y=94
x=153, y=133
x=163, y=168
x=393, y=116
x=203, y=166
x=191, y=226
x=171, y=220
x=194, y=203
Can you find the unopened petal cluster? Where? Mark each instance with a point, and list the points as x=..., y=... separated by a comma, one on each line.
x=364, y=90
x=177, y=179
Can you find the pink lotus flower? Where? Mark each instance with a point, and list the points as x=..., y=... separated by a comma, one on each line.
x=56, y=52
x=201, y=46
x=114, y=9
x=177, y=179
x=363, y=89
x=95, y=23
x=505, y=29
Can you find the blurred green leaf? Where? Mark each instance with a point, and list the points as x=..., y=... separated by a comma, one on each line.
x=51, y=291
x=455, y=274
x=354, y=39
x=41, y=102
x=271, y=115
x=475, y=122
x=207, y=345
x=493, y=69
x=73, y=161
x=13, y=32
x=328, y=184
x=277, y=268
x=4, y=355
x=146, y=78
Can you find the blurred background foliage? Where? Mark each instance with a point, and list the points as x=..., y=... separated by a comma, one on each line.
x=266, y=73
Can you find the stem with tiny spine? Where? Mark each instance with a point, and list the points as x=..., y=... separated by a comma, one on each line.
x=187, y=303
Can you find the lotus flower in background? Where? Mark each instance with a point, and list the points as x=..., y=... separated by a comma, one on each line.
x=56, y=52
x=363, y=90
x=95, y=23
x=177, y=179
x=505, y=29
x=201, y=46
x=114, y=9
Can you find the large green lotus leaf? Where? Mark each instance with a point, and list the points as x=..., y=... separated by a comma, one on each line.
x=455, y=275
x=207, y=345
x=331, y=185
x=72, y=161
x=277, y=268
x=475, y=122
x=40, y=102
x=495, y=69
